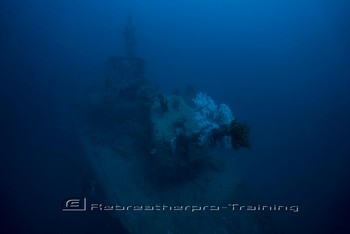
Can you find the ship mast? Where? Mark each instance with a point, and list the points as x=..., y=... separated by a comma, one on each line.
x=129, y=38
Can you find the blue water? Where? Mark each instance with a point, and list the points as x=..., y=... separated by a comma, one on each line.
x=284, y=67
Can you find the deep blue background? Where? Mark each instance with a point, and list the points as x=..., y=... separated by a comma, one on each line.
x=284, y=67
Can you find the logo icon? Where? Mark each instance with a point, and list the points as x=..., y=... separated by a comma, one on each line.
x=75, y=204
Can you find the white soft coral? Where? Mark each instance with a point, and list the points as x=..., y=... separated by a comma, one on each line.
x=209, y=116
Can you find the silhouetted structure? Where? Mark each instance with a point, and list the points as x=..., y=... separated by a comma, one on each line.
x=128, y=70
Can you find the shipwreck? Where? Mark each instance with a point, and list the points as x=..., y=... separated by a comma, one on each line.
x=157, y=157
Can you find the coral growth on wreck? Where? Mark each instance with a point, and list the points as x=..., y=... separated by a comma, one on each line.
x=163, y=103
x=239, y=135
x=209, y=116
